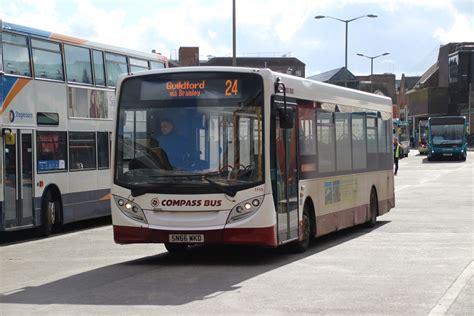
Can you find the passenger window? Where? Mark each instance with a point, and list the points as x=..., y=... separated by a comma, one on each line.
x=78, y=64
x=51, y=151
x=99, y=71
x=47, y=60
x=116, y=65
x=137, y=65
x=103, y=150
x=16, y=59
x=82, y=151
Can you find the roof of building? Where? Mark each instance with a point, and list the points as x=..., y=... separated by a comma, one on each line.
x=426, y=76
x=337, y=74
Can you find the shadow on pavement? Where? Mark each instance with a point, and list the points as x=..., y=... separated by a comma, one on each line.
x=443, y=160
x=15, y=237
x=164, y=279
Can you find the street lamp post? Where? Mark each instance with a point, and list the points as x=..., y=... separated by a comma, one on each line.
x=234, y=55
x=347, y=27
x=372, y=65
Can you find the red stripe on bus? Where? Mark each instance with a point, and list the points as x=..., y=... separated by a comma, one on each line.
x=265, y=236
x=17, y=87
x=331, y=222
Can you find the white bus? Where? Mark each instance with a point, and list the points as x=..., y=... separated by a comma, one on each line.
x=57, y=103
x=254, y=157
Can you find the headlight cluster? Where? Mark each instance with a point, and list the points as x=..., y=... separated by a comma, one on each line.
x=130, y=209
x=245, y=209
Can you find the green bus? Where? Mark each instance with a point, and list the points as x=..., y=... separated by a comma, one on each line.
x=447, y=137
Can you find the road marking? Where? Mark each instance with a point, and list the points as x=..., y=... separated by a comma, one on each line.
x=443, y=305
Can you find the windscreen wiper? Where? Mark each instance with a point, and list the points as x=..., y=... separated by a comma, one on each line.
x=226, y=190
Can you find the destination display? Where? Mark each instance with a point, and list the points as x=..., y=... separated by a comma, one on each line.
x=195, y=88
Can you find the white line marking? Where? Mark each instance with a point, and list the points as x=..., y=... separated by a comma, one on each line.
x=445, y=302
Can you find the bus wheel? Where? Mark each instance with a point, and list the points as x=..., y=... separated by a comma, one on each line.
x=300, y=246
x=176, y=248
x=50, y=213
x=373, y=208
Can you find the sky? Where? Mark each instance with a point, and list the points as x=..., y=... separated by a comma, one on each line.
x=411, y=31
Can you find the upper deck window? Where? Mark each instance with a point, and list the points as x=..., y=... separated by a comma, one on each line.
x=116, y=65
x=99, y=70
x=137, y=65
x=156, y=65
x=47, y=60
x=16, y=59
x=78, y=64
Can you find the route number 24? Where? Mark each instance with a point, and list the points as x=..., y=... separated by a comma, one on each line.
x=231, y=87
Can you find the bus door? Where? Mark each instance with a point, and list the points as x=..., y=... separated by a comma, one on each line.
x=18, y=177
x=285, y=182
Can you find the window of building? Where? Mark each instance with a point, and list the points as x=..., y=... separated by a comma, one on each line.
x=116, y=65
x=103, y=150
x=16, y=59
x=137, y=65
x=99, y=70
x=78, y=64
x=343, y=141
x=51, y=151
x=82, y=154
x=47, y=60
x=326, y=144
x=359, y=145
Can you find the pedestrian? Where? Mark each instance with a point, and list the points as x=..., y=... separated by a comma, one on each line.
x=396, y=153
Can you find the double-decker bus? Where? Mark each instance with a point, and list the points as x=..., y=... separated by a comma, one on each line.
x=253, y=157
x=402, y=133
x=57, y=103
x=447, y=137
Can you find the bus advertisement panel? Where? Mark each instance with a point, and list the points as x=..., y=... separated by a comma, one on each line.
x=447, y=137
x=246, y=156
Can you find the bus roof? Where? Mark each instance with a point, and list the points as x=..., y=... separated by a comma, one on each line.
x=77, y=41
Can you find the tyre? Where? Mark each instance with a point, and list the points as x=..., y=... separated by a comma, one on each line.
x=176, y=248
x=373, y=209
x=300, y=246
x=50, y=210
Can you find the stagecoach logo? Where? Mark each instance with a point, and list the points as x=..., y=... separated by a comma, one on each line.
x=155, y=202
x=12, y=115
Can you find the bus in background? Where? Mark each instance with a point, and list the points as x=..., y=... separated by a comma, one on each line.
x=402, y=133
x=258, y=158
x=447, y=137
x=57, y=103
x=423, y=137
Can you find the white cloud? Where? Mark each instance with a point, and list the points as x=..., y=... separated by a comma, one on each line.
x=462, y=30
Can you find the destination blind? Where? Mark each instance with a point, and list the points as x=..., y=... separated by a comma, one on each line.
x=225, y=88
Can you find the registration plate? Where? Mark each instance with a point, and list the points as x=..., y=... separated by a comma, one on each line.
x=447, y=154
x=186, y=238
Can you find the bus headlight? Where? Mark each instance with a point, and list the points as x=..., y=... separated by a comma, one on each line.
x=130, y=209
x=245, y=209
